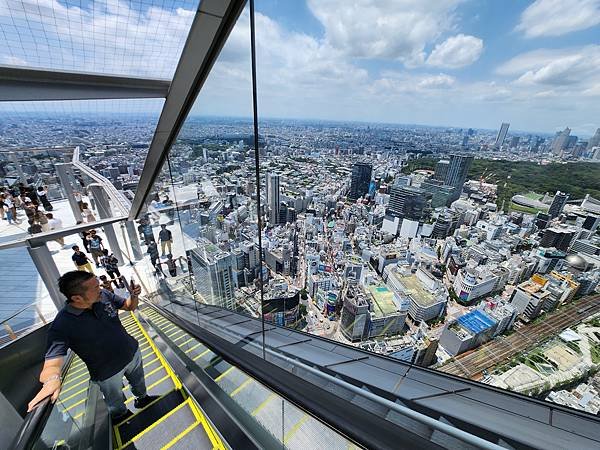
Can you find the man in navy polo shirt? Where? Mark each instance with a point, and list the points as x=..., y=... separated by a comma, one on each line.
x=89, y=325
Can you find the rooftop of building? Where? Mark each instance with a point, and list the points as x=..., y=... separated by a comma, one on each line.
x=476, y=321
x=413, y=288
x=383, y=300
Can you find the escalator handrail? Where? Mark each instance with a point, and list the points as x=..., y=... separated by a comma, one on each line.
x=35, y=420
x=31, y=428
x=442, y=427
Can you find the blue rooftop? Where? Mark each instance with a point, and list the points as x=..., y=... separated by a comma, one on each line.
x=476, y=321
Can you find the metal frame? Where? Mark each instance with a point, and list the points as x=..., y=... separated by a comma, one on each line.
x=210, y=29
x=26, y=84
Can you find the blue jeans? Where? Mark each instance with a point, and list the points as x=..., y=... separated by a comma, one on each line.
x=112, y=388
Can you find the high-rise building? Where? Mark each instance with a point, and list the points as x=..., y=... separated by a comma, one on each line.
x=213, y=270
x=558, y=203
x=561, y=141
x=408, y=202
x=273, y=190
x=594, y=140
x=457, y=172
x=361, y=178
x=441, y=170
x=501, y=135
x=559, y=238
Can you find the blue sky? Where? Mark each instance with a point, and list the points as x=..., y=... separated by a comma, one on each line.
x=464, y=63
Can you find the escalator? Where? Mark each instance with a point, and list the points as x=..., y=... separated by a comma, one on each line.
x=173, y=420
x=199, y=394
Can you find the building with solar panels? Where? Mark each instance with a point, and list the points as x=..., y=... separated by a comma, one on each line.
x=467, y=332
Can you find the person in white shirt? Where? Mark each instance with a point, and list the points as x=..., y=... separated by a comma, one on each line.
x=55, y=224
x=78, y=199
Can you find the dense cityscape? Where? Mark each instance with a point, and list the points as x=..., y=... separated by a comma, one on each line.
x=421, y=265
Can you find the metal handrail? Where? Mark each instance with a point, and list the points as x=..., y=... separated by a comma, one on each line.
x=32, y=426
x=120, y=201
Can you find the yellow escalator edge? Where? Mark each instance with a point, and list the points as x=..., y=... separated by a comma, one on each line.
x=215, y=439
x=156, y=423
x=167, y=367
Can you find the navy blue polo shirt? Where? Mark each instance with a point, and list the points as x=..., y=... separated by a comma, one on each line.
x=96, y=335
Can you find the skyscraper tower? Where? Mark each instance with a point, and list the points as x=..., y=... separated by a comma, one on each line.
x=441, y=170
x=361, y=178
x=558, y=203
x=560, y=142
x=594, y=140
x=501, y=135
x=273, y=196
x=457, y=173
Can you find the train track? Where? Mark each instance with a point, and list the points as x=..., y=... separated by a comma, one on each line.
x=501, y=349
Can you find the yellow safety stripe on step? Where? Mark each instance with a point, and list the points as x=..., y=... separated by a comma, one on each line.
x=155, y=424
x=177, y=438
x=170, y=372
x=201, y=354
x=79, y=369
x=225, y=373
x=153, y=385
x=76, y=404
x=180, y=337
x=189, y=340
x=147, y=363
x=169, y=328
x=147, y=375
x=74, y=386
x=70, y=380
x=263, y=404
x=170, y=336
x=75, y=394
x=215, y=439
x=295, y=428
x=193, y=347
x=240, y=387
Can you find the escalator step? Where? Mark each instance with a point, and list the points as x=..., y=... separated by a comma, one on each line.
x=148, y=416
x=179, y=422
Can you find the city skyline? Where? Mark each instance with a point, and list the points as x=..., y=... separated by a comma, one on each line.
x=468, y=64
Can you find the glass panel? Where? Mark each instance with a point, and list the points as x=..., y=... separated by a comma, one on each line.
x=137, y=38
x=25, y=303
x=77, y=160
x=210, y=179
x=465, y=243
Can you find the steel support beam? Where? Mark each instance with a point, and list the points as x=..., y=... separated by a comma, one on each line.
x=46, y=267
x=64, y=172
x=132, y=234
x=212, y=24
x=26, y=84
x=103, y=208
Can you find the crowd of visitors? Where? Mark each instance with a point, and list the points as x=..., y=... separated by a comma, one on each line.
x=28, y=201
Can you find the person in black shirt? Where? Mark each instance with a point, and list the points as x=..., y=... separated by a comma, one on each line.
x=154, y=258
x=89, y=325
x=166, y=239
x=81, y=260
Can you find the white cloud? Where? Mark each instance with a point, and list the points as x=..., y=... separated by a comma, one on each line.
x=390, y=29
x=456, y=51
x=558, y=17
x=566, y=70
